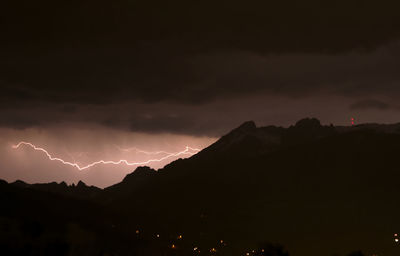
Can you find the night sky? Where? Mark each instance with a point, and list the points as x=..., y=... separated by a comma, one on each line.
x=84, y=77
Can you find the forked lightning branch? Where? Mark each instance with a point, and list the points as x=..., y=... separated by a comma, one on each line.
x=188, y=151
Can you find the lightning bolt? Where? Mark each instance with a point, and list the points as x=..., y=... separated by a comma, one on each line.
x=188, y=151
x=151, y=152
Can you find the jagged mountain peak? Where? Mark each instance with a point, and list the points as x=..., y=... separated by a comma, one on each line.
x=81, y=184
x=140, y=172
x=245, y=127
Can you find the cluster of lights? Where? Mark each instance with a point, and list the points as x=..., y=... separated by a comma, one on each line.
x=188, y=151
x=252, y=252
x=222, y=243
x=174, y=244
x=213, y=250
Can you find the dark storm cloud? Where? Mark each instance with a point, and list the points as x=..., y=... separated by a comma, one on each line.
x=140, y=100
x=67, y=61
x=102, y=52
x=98, y=79
x=370, y=104
x=307, y=25
x=18, y=122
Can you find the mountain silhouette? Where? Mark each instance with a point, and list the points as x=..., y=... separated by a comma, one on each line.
x=318, y=190
x=80, y=190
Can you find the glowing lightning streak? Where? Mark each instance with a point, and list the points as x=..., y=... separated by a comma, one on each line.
x=150, y=153
x=122, y=161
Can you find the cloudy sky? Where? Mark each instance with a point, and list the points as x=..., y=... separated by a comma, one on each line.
x=85, y=75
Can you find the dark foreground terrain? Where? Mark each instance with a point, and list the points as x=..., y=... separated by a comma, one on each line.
x=317, y=190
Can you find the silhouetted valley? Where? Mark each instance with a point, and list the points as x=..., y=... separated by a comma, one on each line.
x=305, y=190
